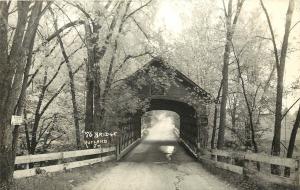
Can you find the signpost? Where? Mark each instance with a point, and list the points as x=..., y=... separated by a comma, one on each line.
x=17, y=120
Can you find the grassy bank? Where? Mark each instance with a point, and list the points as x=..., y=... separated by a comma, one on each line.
x=65, y=180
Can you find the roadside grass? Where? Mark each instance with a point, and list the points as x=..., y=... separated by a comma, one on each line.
x=65, y=180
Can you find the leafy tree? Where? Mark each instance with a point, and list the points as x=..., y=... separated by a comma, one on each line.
x=280, y=60
x=15, y=61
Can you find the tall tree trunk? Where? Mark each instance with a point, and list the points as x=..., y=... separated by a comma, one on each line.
x=89, y=105
x=290, y=150
x=93, y=73
x=280, y=66
x=93, y=51
x=249, y=109
x=98, y=97
x=222, y=124
x=37, y=115
x=109, y=77
x=72, y=85
x=74, y=102
x=233, y=114
x=213, y=136
x=280, y=75
x=12, y=79
x=230, y=28
x=92, y=48
x=7, y=67
x=26, y=132
x=5, y=138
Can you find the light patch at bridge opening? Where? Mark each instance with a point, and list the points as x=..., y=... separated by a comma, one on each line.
x=168, y=150
x=160, y=125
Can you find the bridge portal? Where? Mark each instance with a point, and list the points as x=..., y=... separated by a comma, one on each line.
x=165, y=88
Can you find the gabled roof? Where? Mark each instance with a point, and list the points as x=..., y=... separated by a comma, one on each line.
x=158, y=62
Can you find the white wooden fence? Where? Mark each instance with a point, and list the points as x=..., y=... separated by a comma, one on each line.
x=231, y=165
x=62, y=158
x=232, y=158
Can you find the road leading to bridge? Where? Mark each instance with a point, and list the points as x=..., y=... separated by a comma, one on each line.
x=158, y=163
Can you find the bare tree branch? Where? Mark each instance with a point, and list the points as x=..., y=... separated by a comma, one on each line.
x=58, y=92
x=287, y=111
x=264, y=38
x=140, y=28
x=66, y=26
x=294, y=25
x=224, y=7
x=272, y=34
x=53, y=139
x=83, y=41
x=136, y=10
x=52, y=98
x=128, y=57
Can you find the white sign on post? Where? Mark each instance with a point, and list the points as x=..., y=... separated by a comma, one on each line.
x=16, y=120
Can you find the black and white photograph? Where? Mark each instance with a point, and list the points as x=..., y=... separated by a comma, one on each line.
x=149, y=94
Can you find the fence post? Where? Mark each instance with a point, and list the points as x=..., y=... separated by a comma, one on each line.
x=246, y=164
x=118, y=148
x=214, y=156
x=297, y=176
x=232, y=161
x=60, y=160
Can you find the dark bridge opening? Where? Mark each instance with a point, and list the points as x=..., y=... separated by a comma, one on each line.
x=188, y=127
x=171, y=122
x=160, y=139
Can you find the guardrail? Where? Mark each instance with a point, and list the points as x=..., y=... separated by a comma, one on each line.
x=229, y=161
x=63, y=164
x=123, y=152
x=185, y=144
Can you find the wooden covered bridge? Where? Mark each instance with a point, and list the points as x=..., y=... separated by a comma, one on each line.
x=165, y=88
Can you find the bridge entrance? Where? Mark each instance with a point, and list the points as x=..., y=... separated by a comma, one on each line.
x=160, y=126
x=165, y=88
x=160, y=140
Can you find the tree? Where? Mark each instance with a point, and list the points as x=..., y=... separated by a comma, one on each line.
x=291, y=146
x=230, y=28
x=213, y=136
x=71, y=83
x=14, y=67
x=280, y=59
x=249, y=108
x=99, y=81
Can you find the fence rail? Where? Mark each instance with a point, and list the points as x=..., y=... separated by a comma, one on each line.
x=229, y=163
x=61, y=157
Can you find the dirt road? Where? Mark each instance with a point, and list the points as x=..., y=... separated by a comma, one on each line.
x=158, y=163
